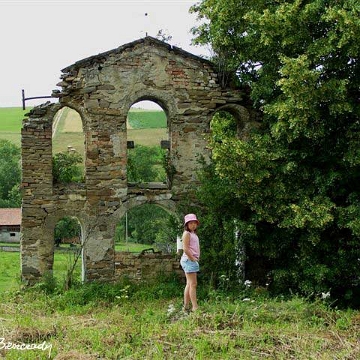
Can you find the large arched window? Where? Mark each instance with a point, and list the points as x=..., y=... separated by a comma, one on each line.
x=148, y=145
x=68, y=147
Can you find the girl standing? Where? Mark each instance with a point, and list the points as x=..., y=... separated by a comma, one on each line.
x=190, y=260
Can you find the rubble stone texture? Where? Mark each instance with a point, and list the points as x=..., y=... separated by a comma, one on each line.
x=102, y=88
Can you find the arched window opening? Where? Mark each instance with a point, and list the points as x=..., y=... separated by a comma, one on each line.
x=148, y=145
x=68, y=265
x=68, y=143
x=223, y=125
x=147, y=226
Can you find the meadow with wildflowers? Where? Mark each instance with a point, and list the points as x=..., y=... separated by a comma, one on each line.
x=145, y=321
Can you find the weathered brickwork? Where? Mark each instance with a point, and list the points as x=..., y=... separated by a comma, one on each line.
x=102, y=88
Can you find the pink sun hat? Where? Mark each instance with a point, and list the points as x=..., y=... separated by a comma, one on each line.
x=190, y=217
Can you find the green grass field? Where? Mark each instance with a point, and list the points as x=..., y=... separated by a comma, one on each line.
x=11, y=123
x=9, y=270
x=145, y=127
x=11, y=119
x=145, y=321
x=146, y=119
x=10, y=263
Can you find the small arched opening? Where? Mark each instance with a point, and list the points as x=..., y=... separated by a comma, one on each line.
x=223, y=125
x=68, y=262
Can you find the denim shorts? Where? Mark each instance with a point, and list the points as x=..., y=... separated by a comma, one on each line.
x=189, y=266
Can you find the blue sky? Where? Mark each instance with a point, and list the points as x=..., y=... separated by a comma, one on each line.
x=39, y=38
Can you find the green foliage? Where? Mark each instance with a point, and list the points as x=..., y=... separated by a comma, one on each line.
x=10, y=175
x=220, y=247
x=65, y=167
x=145, y=164
x=295, y=179
x=67, y=227
x=48, y=284
x=149, y=224
x=166, y=234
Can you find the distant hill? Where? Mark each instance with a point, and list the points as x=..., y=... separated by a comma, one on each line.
x=11, y=123
x=145, y=127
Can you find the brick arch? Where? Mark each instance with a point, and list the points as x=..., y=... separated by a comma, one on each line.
x=160, y=97
x=54, y=218
x=244, y=118
x=102, y=88
x=166, y=204
x=71, y=106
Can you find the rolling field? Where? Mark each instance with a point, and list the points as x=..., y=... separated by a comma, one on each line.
x=145, y=127
x=10, y=124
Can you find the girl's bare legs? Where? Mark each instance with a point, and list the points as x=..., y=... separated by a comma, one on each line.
x=190, y=291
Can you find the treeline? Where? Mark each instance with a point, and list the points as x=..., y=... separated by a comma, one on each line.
x=10, y=175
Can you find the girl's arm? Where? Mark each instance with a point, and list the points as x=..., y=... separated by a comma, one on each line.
x=186, y=244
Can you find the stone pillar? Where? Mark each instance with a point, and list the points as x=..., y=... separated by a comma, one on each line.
x=37, y=187
x=98, y=250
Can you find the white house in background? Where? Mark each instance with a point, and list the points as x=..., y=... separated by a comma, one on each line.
x=10, y=221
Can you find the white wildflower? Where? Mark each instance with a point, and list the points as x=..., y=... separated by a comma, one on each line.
x=247, y=283
x=325, y=295
x=171, y=309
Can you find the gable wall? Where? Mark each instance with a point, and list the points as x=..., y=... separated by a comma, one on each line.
x=102, y=89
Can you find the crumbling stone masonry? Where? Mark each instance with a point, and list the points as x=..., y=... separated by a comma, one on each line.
x=145, y=266
x=102, y=88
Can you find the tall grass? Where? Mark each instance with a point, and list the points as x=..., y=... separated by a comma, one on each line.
x=9, y=270
x=145, y=321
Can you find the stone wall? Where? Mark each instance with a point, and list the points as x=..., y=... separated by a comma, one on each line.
x=102, y=88
x=147, y=266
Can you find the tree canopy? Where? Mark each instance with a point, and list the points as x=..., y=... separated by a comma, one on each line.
x=10, y=175
x=296, y=178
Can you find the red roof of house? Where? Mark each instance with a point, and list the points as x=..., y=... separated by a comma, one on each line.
x=10, y=216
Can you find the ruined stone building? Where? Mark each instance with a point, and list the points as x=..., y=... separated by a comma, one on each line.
x=101, y=89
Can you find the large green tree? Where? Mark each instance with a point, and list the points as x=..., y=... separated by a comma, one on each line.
x=10, y=175
x=297, y=177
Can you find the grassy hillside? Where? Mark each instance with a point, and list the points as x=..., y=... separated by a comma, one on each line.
x=145, y=127
x=146, y=119
x=10, y=123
